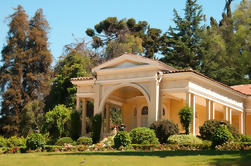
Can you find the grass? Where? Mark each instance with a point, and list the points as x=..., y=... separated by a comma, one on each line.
x=128, y=158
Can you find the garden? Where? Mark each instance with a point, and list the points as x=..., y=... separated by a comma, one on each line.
x=218, y=141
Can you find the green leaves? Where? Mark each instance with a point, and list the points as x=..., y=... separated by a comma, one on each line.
x=186, y=117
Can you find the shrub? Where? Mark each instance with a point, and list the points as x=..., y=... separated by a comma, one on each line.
x=164, y=129
x=84, y=141
x=15, y=141
x=143, y=135
x=64, y=140
x=221, y=135
x=122, y=138
x=3, y=142
x=245, y=138
x=35, y=141
x=229, y=145
x=184, y=140
x=186, y=118
x=209, y=126
x=96, y=128
x=75, y=125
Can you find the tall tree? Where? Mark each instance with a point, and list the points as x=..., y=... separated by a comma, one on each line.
x=76, y=62
x=182, y=46
x=118, y=36
x=38, y=62
x=12, y=70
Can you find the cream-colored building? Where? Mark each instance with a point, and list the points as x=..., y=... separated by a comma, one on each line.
x=147, y=90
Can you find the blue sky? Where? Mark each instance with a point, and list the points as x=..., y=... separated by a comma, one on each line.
x=67, y=17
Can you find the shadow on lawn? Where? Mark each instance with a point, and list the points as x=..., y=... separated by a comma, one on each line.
x=244, y=154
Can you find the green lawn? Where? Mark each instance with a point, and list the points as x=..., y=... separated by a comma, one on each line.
x=127, y=158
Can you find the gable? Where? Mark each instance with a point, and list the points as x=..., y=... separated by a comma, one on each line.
x=125, y=64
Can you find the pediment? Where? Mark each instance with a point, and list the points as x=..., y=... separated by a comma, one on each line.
x=127, y=61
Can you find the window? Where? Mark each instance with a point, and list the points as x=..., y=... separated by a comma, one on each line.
x=144, y=110
x=164, y=112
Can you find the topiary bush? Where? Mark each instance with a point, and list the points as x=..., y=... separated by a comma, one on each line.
x=84, y=141
x=3, y=142
x=64, y=140
x=221, y=135
x=209, y=126
x=164, y=129
x=96, y=127
x=35, y=141
x=186, y=118
x=122, y=138
x=143, y=135
x=184, y=140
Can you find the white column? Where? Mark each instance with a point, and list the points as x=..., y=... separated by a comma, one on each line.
x=230, y=115
x=226, y=113
x=241, y=122
x=77, y=104
x=194, y=120
x=212, y=110
x=83, y=128
x=188, y=99
x=208, y=109
x=107, y=111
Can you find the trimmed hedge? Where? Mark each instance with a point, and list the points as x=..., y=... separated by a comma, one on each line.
x=84, y=141
x=184, y=140
x=122, y=138
x=64, y=140
x=221, y=135
x=164, y=129
x=3, y=142
x=143, y=135
x=209, y=126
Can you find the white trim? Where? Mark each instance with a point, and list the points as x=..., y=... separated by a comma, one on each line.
x=83, y=94
x=126, y=80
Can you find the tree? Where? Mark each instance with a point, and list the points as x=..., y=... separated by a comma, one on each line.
x=186, y=118
x=38, y=63
x=32, y=117
x=182, y=46
x=12, y=70
x=57, y=121
x=125, y=35
x=75, y=63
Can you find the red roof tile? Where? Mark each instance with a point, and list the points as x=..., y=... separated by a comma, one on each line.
x=246, y=88
x=82, y=79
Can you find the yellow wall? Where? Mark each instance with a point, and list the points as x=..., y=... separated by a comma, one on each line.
x=235, y=121
x=219, y=115
x=248, y=125
x=200, y=116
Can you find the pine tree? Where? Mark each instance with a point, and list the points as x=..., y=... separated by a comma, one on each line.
x=12, y=69
x=38, y=62
x=182, y=47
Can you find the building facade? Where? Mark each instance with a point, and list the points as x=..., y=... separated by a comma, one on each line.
x=147, y=90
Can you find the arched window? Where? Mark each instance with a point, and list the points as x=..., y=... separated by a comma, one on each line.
x=144, y=110
x=164, y=112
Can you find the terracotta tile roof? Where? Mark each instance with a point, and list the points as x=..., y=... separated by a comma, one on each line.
x=198, y=73
x=246, y=88
x=82, y=79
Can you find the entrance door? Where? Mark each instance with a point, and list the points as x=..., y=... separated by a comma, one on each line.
x=144, y=116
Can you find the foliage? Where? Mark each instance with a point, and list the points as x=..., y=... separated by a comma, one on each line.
x=96, y=127
x=57, y=121
x=3, y=142
x=182, y=46
x=164, y=129
x=186, y=118
x=116, y=116
x=32, y=117
x=84, y=141
x=245, y=138
x=184, y=140
x=75, y=130
x=229, y=145
x=35, y=141
x=64, y=140
x=122, y=138
x=15, y=141
x=143, y=135
x=125, y=35
x=221, y=135
x=209, y=126
x=76, y=63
